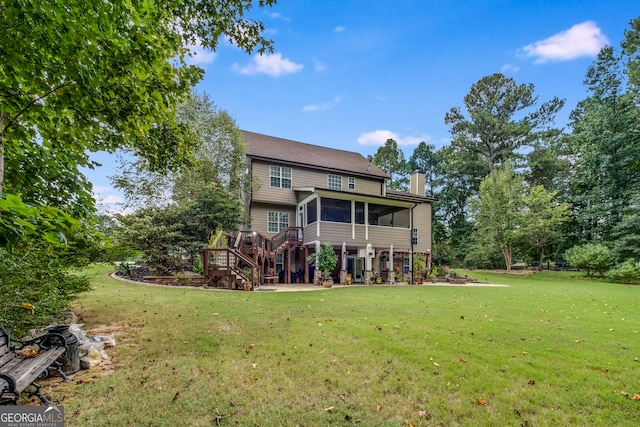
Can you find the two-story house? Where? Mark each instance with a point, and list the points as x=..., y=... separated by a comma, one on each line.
x=307, y=195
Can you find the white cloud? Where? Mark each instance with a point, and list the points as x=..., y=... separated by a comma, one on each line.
x=379, y=137
x=200, y=56
x=324, y=106
x=273, y=65
x=509, y=68
x=584, y=39
x=107, y=202
x=381, y=98
x=277, y=15
x=340, y=29
x=102, y=189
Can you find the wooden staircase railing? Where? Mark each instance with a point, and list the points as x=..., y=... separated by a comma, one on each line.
x=237, y=263
x=231, y=264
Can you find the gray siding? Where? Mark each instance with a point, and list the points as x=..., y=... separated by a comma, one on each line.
x=301, y=177
x=336, y=233
x=259, y=217
x=379, y=237
x=422, y=221
x=266, y=193
x=383, y=237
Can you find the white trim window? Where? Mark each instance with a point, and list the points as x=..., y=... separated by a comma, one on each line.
x=277, y=221
x=406, y=265
x=352, y=183
x=334, y=182
x=279, y=176
x=414, y=236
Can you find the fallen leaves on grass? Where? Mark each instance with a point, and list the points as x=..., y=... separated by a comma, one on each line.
x=424, y=414
x=480, y=401
x=635, y=396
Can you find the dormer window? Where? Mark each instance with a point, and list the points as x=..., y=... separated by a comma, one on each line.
x=334, y=182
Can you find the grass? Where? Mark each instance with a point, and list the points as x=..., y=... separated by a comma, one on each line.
x=551, y=349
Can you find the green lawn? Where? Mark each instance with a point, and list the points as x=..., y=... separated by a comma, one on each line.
x=549, y=350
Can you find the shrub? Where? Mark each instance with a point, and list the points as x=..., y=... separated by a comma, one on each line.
x=592, y=257
x=198, y=267
x=420, y=266
x=625, y=272
x=324, y=259
x=36, y=288
x=122, y=268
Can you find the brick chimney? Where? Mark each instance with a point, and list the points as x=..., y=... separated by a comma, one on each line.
x=416, y=183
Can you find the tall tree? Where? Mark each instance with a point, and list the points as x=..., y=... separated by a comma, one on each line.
x=631, y=51
x=390, y=159
x=426, y=159
x=82, y=76
x=219, y=154
x=502, y=119
x=218, y=158
x=541, y=218
x=625, y=235
x=164, y=234
x=498, y=209
x=545, y=164
x=604, y=147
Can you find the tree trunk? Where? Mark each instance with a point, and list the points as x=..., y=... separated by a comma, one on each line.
x=508, y=256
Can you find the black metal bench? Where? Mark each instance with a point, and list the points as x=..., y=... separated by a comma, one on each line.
x=22, y=362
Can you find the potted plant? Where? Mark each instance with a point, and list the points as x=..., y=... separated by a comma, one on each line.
x=398, y=276
x=419, y=267
x=348, y=279
x=248, y=272
x=325, y=260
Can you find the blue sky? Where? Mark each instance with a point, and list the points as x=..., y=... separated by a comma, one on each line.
x=350, y=74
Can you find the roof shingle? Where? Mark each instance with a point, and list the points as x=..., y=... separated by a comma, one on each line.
x=313, y=156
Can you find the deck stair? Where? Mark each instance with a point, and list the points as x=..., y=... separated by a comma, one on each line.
x=247, y=258
x=229, y=267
